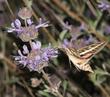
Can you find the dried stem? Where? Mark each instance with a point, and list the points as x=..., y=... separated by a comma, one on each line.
x=9, y=8
x=25, y=21
x=68, y=12
x=9, y=62
x=103, y=91
x=30, y=42
x=26, y=86
x=45, y=76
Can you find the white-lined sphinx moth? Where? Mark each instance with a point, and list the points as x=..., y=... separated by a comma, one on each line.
x=81, y=57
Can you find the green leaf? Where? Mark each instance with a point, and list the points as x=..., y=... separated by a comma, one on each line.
x=65, y=85
x=99, y=76
x=62, y=34
x=43, y=93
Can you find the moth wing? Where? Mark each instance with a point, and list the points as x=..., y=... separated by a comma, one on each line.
x=86, y=67
x=91, y=50
x=73, y=52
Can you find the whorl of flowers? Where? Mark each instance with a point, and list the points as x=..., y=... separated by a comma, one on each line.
x=75, y=41
x=38, y=57
x=104, y=5
x=27, y=32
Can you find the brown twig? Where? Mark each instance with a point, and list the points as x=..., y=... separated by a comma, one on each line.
x=45, y=76
x=68, y=12
x=9, y=63
x=9, y=8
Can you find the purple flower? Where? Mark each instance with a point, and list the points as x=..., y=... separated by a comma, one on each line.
x=106, y=29
x=49, y=53
x=104, y=5
x=27, y=32
x=65, y=43
x=78, y=43
x=37, y=57
x=89, y=40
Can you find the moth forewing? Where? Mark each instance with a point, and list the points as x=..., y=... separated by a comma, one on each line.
x=72, y=52
x=87, y=67
x=94, y=51
x=94, y=48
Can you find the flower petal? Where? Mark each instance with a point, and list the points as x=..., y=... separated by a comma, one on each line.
x=17, y=23
x=29, y=21
x=36, y=45
x=26, y=51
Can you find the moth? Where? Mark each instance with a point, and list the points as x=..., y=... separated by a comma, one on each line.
x=81, y=57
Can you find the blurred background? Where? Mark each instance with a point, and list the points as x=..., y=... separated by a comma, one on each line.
x=78, y=22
